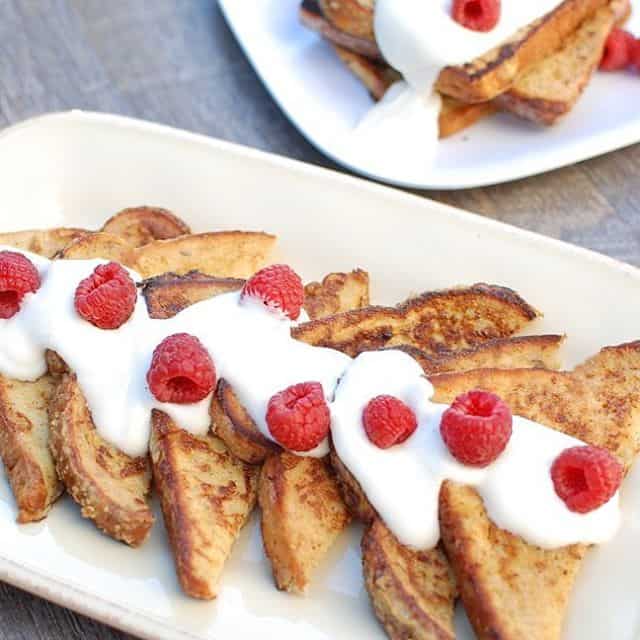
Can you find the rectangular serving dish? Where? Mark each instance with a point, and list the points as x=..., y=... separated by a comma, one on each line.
x=325, y=101
x=78, y=168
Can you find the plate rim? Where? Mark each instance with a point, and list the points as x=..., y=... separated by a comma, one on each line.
x=65, y=593
x=588, y=148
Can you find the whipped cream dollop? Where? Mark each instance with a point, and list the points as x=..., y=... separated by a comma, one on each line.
x=419, y=38
x=403, y=482
x=251, y=347
x=253, y=350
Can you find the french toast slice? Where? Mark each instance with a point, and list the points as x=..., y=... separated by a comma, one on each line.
x=413, y=592
x=141, y=225
x=336, y=293
x=110, y=487
x=207, y=496
x=231, y=254
x=302, y=516
x=550, y=89
x=44, y=242
x=511, y=589
x=24, y=446
x=436, y=322
x=493, y=73
x=101, y=244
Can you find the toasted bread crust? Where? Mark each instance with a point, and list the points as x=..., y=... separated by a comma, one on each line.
x=412, y=592
x=354, y=17
x=435, y=322
x=207, y=496
x=110, y=487
x=24, y=446
x=302, y=516
x=141, y=225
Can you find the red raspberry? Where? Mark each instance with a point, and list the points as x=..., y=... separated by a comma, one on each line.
x=477, y=15
x=107, y=297
x=388, y=421
x=586, y=477
x=18, y=276
x=278, y=287
x=635, y=53
x=298, y=417
x=617, y=51
x=476, y=428
x=181, y=370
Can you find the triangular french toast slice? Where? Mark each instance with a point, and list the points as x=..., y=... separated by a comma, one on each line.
x=413, y=592
x=110, y=487
x=511, y=589
x=24, y=446
x=44, y=242
x=207, y=496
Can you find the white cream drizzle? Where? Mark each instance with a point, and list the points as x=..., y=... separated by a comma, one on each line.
x=253, y=350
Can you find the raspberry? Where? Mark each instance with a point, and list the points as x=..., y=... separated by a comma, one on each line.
x=585, y=477
x=298, y=417
x=107, y=297
x=477, y=15
x=181, y=370
x=278, y=287
x=617, y=51
x=18, y=276
x=388, y=421
x=635, y=53
x=476, y=428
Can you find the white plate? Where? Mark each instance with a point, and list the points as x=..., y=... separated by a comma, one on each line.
x=324, y=101
x=78, y=168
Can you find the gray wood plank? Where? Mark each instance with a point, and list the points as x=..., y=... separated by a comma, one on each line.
x=176, y=62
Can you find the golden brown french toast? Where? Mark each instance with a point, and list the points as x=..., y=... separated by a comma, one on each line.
x=336, y=293
x=436, y=322
x=24, y=446
x=494, y=72
x=510, y=589
x=302, y=516
x=44, y=242
x=207, y=496
x=230, y=254
x=110, y=487
x=550, y=89
x=412, y=592
x=142, y=225
x=107, y=246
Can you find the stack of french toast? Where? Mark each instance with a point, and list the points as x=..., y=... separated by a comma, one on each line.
x=539, y=74
x=208, y=485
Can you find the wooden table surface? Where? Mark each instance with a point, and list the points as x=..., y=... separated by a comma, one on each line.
x=176, y=62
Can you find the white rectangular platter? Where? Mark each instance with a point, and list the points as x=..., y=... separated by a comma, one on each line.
x=77, y=169
x=325, y=102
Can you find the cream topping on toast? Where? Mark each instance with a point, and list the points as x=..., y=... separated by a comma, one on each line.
x=253, y=350
x=403, y=482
